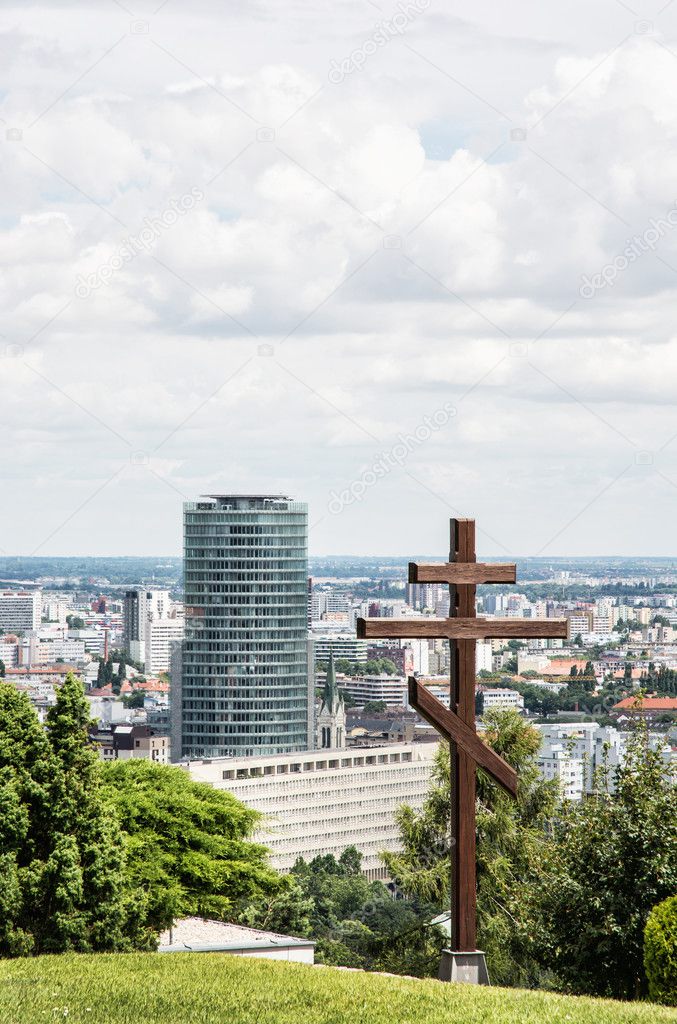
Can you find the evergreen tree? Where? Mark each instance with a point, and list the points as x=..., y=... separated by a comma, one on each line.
x=62, y=853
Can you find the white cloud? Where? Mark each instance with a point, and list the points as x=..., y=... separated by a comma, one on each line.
x=401, y=274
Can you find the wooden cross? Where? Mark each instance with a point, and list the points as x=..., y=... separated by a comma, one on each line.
x=463, y=628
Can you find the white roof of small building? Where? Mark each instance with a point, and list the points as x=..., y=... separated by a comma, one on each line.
x=197, y=933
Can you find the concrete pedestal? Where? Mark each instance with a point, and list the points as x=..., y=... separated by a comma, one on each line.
x=468, y=967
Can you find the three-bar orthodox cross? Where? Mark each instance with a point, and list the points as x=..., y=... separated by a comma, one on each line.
x=463, y=628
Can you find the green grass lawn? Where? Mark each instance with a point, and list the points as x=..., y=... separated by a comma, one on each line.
x=212, y=988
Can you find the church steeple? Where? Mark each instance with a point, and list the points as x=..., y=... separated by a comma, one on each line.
x=331, y=720
x=332, y=696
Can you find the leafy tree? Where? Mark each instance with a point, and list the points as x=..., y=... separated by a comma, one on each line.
x=614, y=859
x=357, y=923
x=2, y=669
x=380, y=666
x=134, y=700
x=632, y=625
x=287, y=911
x=511, y=837
x=62, y=854
x=374, y=707
x=189, y=846
x=350, y=861
x=335, y=890
x=75, y=622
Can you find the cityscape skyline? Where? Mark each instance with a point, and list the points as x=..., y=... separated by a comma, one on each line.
x=338, y=609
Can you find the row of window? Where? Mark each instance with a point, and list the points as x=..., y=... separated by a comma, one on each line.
x=234, y=570
x=212, y=515
x=281, y=733
x=259, y=589
x=196, y=638
x=244, y=700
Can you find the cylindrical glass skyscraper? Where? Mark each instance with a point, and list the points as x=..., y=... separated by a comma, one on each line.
x=242, y=685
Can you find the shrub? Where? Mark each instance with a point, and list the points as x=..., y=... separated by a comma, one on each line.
x=660, y=952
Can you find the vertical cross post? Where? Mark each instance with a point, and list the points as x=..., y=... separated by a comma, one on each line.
x=462, y=700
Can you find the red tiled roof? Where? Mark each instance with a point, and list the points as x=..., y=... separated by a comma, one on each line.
x=647, y=704
x=562, y=666
x=152, y=684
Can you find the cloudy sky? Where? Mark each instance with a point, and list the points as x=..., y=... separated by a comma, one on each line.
x=394, y=261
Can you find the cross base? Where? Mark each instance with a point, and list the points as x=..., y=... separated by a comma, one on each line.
x=470, y=968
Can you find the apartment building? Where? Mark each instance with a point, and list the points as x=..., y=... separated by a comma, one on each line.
x=20, y=610
x=365, y=689
x=319, y=802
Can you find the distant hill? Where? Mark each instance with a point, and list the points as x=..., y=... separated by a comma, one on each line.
x=90, y=573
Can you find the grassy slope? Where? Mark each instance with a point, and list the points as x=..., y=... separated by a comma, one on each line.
x=199, y=988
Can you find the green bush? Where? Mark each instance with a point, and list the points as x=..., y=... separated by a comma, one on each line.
x=660, y=952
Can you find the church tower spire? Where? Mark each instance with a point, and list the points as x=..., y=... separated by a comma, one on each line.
x=331, y=720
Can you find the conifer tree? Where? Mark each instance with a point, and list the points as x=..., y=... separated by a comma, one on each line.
x=64, y=886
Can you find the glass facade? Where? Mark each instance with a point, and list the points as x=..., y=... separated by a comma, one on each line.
x=244, y=666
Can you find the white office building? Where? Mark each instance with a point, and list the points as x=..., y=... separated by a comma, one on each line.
x=572, y=751
x=41, y=650
x=364, y=689
x=343, y=645
x=9, y=653
x=161, y=637
x=20, y=610
x=93, y=639
x=567, y=770
x=55, y=610
x=140, y=606
x=326, y=603
x=483, y=656
x=546, y=684
x=502, y=697
x=321, y=801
